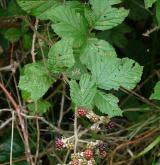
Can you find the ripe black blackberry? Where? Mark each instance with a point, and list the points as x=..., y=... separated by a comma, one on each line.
x=102, y=146
x=111, y=125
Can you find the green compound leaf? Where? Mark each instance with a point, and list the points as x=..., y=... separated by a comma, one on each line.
x=111, y=72
x=99, y=47
x=105, y=16
x=40, y=8
x=149, y=3
x=35, y=80
x=108, y=104
x=156, y=94
x=60, y=56
x=82, y=94
x=70, y=24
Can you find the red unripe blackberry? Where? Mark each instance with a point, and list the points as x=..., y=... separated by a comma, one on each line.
x=102, y=154
x=75, y=162
x=81, y=112
x=59, y=144
x=88, y=154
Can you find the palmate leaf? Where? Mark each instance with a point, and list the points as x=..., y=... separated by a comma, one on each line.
x=111, y=72
x=105, y=16
x=96, y=46
x=156, y=94
x=82, y=94
x=35, y=80
x=39, y=8
x=60, y=56
x=108, y=104
x=70, y=24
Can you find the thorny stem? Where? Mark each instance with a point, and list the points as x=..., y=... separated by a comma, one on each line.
x=12, y=136
x=36, y=104
x=35, y=31
x=66, y=157
x=33, y=42
x=10, y=67
x=22, y=124
x=138, y=88
x=148, y=32
x=143, y=99
x=57, y=157
x=75, y=131
x=17, y=91
x=62, y=107
x=38, y=134
x=5, y=123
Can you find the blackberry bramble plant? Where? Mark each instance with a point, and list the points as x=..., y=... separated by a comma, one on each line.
x=75, y=75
